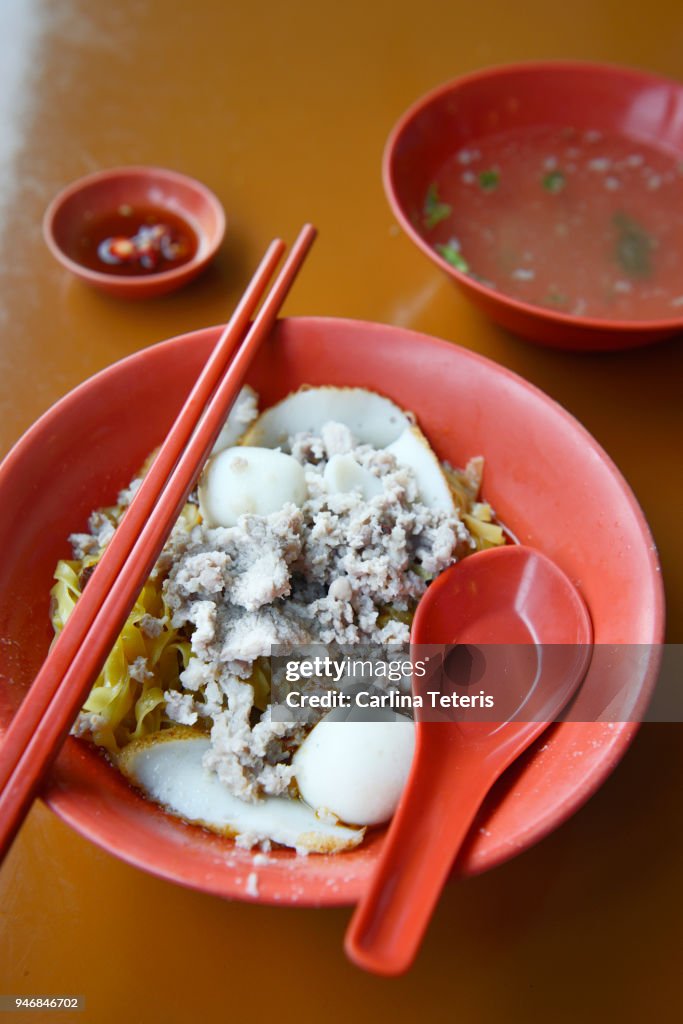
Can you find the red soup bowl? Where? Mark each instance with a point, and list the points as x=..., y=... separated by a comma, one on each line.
x=545, y=476
x=552, y=194
x=118, y=202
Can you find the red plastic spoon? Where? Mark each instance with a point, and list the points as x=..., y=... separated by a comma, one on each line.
x=503, y=596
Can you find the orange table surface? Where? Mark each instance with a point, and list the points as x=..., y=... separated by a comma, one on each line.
x=283, y=109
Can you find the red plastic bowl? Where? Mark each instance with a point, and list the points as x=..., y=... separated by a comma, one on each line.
x=614, y=100
x=104, y=192
x=546, y=477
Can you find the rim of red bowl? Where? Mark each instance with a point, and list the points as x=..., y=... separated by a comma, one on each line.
x=67, y=804
x=206, y=250
x=571, y=67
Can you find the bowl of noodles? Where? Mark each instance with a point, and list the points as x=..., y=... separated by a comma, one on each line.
x=459, y=400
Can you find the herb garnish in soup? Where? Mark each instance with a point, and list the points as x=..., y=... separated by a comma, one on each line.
x=583, y=222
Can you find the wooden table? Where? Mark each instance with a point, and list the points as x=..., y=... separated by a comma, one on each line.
x=283, y=109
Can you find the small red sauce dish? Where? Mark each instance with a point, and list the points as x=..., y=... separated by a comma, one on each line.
x=552, y=194
x=135, y=232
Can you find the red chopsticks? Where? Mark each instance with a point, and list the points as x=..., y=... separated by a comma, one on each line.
x=46, y=714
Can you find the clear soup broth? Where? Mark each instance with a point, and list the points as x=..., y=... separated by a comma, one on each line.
x=582, y=222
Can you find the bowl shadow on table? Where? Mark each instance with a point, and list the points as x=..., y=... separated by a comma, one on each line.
x=573, y=378
x=613, y=377
x=530, y=923
x=593, y=864
x=597, y=892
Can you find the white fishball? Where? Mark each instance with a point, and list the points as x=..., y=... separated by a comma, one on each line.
x=356, y=770
x=245, y=480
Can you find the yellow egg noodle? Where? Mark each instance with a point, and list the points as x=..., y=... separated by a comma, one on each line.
x=122, y=707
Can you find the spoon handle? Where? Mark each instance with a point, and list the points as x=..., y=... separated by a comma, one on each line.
x=427, y=831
